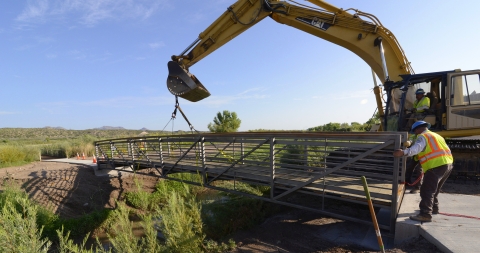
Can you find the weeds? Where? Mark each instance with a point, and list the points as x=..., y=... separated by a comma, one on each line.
x=14, y=155
x=140, y=199
x=182, y=225
x=27, y=227
x=235, y=212
x=121, y=234
x=18, y=232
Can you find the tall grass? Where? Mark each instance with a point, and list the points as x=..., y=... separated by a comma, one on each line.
x=68, y=149
x=14, y=155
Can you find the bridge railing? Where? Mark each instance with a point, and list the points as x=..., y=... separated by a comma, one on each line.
x=326, y=166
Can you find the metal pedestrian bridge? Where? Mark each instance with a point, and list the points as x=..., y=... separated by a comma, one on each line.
x=318, y=171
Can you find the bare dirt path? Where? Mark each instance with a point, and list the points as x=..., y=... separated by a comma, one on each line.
x=73, y=190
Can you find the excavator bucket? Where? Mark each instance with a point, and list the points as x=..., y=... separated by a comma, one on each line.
x=185, y=85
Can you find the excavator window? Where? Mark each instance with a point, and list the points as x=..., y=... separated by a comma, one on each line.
x=465, y=90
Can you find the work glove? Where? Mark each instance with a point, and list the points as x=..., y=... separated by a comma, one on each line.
x=398, y=153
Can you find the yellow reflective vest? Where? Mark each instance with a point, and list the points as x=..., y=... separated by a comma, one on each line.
x=425, y=101
x=436, y=152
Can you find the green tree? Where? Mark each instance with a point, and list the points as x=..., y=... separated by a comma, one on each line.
x=357, y=127
x=225, y=122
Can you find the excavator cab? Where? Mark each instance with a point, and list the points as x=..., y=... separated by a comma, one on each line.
x=454, y=101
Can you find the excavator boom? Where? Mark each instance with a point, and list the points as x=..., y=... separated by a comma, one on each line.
x=367, y=38
x=455, y=111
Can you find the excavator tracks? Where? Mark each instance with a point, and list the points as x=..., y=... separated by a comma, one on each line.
x=466, y=165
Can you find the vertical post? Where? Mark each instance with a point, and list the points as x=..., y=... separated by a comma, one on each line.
x=112, y=147
x=395, y=182
x=272, y=166
x=97, y=153
x=324, y=171
x=305, y=154
x=130, y=149
x=234, y=170
x=160, y=148
x=242, y=149
x=168, y=148
x=233, y=148
x=204, y=161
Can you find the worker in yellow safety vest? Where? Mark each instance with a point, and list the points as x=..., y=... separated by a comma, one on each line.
x=421, y=104
x=436, y=160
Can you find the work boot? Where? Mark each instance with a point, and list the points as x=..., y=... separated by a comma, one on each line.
x=415, y=190
x=421, y=217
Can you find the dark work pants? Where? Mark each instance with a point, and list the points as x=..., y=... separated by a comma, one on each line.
x=433, y=181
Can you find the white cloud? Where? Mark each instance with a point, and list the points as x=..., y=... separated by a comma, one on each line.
x=129, y=102
x=45, y=40
x=354, y=94
x=245, y=95
x=364, y=101
x=156, y=45
x=250, y=91
x=51, y=56
x=6, y=113
x=23, y=47
x=77, y=55
x=34, y=10
x=89, y=12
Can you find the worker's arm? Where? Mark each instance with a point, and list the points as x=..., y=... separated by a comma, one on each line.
x=416, y=148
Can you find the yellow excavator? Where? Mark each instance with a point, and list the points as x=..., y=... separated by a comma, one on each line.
x=454, y=95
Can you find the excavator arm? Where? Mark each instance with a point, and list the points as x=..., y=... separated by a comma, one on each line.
x=360, y=32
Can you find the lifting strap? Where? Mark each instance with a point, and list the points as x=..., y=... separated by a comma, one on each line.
x=174, y=114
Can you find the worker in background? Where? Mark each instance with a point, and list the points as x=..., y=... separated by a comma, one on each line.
x=436, y=160
x=421, y=104
x=413, y=168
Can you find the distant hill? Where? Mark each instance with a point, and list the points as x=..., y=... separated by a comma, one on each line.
x=49, y=127
x=60, y=133
x=144, y=129
x=110, y=128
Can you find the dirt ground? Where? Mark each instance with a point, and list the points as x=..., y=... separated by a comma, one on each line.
x=73, y=190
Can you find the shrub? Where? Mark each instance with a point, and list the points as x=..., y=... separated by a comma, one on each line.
x=19, y=232
x=121, y=234
x=181, y=224
x=234, y=212
x=143, y=200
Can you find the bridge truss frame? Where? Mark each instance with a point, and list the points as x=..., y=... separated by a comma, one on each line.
x=326, y=166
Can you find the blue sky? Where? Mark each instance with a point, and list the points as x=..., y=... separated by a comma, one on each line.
x=81, y=64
